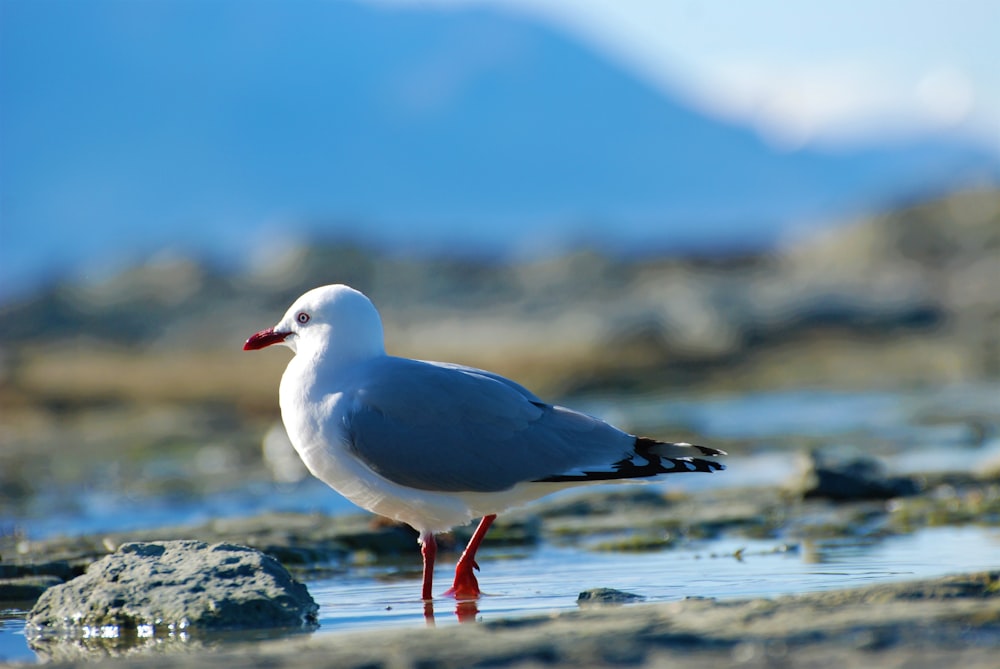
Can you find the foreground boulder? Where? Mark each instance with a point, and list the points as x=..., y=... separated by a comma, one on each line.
x=148, y=589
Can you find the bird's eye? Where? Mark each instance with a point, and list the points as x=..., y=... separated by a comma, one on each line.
x=303, y=317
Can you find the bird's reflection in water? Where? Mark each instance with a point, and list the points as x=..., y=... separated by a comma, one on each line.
x=465, y=610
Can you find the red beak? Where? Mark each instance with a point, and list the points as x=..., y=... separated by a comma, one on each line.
x=264, y=338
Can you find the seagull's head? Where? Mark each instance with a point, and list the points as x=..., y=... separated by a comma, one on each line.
x=333, y=318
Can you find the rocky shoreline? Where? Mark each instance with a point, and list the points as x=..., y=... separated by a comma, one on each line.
x=951, y=621
x=919, y=623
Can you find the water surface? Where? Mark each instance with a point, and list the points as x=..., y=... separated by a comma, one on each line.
x=547, y=579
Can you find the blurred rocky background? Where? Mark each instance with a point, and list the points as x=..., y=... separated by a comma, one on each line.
x=910, y=296
x=593, y=198
x=138, y=381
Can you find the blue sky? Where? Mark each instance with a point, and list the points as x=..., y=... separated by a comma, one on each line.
x=215, y=127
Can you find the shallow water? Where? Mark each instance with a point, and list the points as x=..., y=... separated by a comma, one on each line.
x=550, y=578
x=526, y=582
x=953, y=428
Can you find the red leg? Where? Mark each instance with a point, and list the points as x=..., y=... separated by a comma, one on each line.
x=466, y=586
x=428, y=548
x=466, y=611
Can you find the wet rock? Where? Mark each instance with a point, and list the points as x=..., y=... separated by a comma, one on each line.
x=607, y=596
x=854, y=478
x=636, y=543
x=23, y=584
x=61, y=569
x=25, y=588
x=604, y=502
x=161, y=587
x=948, y=504
x=524, y=531
x=297, y=540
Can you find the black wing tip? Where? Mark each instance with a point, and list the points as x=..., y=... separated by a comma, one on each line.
x=657, y=464
x=643, y=444
x=627, y=470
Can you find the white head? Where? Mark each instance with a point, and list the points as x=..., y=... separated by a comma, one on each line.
x=335, y=319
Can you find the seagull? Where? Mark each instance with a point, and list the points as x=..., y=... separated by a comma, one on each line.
x=436, y=445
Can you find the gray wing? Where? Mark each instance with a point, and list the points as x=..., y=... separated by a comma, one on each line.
x=450, y=428
x=490, y=375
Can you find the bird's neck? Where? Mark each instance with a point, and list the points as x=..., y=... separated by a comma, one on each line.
x=312, y=375
x=337, y=351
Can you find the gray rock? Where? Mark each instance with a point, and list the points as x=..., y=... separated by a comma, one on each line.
x=607, y=596
x=855, y=478
x=25, y=588
x=174, y=585
x=61, y=569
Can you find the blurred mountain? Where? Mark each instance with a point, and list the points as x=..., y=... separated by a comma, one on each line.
x=219, y=127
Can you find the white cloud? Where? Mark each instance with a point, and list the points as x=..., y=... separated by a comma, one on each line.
x=845, y=101
x=801, y=72
x=946, y=95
